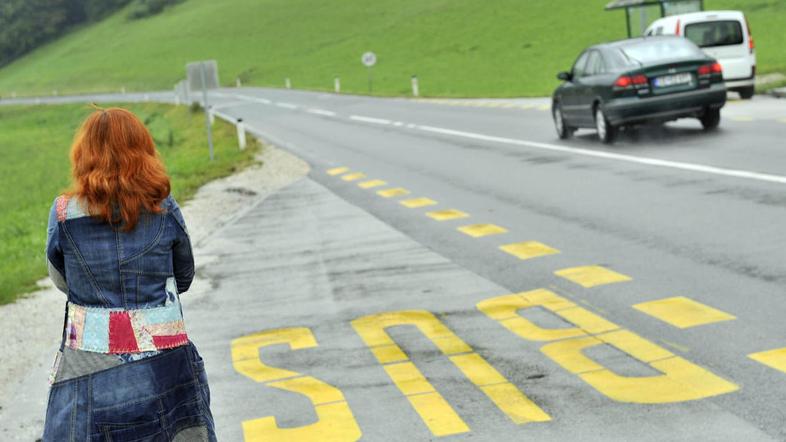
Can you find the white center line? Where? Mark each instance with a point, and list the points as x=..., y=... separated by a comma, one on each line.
x=780, y=179
x=286, y=105
x=369, y=119
x=326, y=113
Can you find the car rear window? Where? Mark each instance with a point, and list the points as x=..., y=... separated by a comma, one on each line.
x=656, y=49
x=715, y=33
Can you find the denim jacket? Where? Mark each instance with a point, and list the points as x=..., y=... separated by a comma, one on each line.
x=98, y=265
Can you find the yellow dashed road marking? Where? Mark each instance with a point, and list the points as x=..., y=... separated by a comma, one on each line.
x=782, y=120
x=772, y=358
x=414, y=203
x=682, y=312
x=591, y=276
x=742, y=118
x=544, y=107
x=390, y=193
x=371, y=183
x=446, y=215
x=528, y=249
x=480, y=230
x=353, y=176
x=337, y=170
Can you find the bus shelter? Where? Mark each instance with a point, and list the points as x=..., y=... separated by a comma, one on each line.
x=646, y=11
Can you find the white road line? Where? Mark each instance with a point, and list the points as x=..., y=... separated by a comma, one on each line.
x=286, y=105
x=321, y=112
x=369, y=119
x=614, y=156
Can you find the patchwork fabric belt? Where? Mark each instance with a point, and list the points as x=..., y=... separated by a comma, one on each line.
x=105, y=330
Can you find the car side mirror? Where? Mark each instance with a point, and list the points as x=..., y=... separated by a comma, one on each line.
x=565, y=76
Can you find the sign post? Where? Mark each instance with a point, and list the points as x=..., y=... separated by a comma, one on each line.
x=204, y=75
x=369, y=59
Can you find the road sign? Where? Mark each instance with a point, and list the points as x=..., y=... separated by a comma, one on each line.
x=369, y=59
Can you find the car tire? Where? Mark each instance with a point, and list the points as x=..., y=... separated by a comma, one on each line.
x=563, y=130
x=746, y=93
x=711, y=119
x=607, y=132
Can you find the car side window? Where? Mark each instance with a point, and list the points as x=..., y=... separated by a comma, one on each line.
x=594, y=64
x=659, y=31
x=580, y=66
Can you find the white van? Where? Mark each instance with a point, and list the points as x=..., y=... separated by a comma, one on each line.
x=724, y=36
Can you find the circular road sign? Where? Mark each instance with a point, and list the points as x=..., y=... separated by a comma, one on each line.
x=369, y=59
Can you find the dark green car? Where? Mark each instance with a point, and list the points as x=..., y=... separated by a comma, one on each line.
x=635, y=81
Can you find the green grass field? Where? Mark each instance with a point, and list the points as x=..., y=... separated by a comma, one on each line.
x=457, y=48
x=35, y=169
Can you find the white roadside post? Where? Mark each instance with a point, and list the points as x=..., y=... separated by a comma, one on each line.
x=123, y=90
x=369, y=59
x=13, y=94
x=287, y=83
x=337, y=85
x=415, y=87
x=241, y=134
x=237, y=82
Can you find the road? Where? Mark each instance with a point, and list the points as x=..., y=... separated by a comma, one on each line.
x=560, y=290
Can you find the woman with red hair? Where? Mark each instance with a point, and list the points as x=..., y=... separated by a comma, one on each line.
x=117, y=245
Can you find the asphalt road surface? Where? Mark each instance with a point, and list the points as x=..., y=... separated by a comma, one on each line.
x=451, y=270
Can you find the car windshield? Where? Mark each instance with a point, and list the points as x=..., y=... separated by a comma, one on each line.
x=715, y=33
x=657, y=49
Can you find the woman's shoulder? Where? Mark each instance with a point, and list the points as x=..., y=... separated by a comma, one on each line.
x=66, y=207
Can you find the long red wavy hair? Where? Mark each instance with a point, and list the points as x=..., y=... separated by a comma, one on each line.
x=116, y=168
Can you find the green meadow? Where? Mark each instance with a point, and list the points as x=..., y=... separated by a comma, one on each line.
x=494, y=48
x=35, y=169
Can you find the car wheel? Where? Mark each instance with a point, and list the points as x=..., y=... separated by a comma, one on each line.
x=746, y=93
x=563, y=130
x=607, y=133
x=711, y=119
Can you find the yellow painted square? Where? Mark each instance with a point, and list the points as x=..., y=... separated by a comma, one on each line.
x=481, y=230
x=353, y=176
x=528, y=249
x=337, y=170
x=772, y=358
x=592, y=276
x=371, y=184
x=446, y=215
x=414, y=203
x=390, y=193
x=683, y=312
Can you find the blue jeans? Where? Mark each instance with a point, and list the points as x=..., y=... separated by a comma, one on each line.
x=152, y=399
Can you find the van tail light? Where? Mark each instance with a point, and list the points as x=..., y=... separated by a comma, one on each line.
x=629, y=81
x=751, y=43
x=677, y=28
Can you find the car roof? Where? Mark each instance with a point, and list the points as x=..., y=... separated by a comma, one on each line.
x=625, y=42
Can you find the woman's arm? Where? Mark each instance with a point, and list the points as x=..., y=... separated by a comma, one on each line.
x=182, y=255
x=54, y=253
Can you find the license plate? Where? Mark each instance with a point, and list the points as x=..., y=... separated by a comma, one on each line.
x=674, y=80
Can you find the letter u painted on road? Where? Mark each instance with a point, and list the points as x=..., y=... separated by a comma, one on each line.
x=681, y=380
x=434, y=410
x=335, y=421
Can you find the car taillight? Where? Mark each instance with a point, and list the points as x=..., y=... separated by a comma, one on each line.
x=708, y=69
x=677, y=28
x=629, y=81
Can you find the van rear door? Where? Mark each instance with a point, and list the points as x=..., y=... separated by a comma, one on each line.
x=725, y=40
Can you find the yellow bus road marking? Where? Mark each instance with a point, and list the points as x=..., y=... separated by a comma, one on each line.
x=772, y=358
x=435, y=412
x=592, y=276
x=335, y=420
x=481, y=230
x=414, y=203
x=353, y=176
x=337, y=170
x=544, y=107
x=371, y=184
x=680, y=380
x=528, y=249
x=390, y=193
x=782, y=120
x=446, y=215
x=682, y=312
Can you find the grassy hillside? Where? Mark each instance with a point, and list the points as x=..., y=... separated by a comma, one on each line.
x=35, y=169
x=456, y=47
